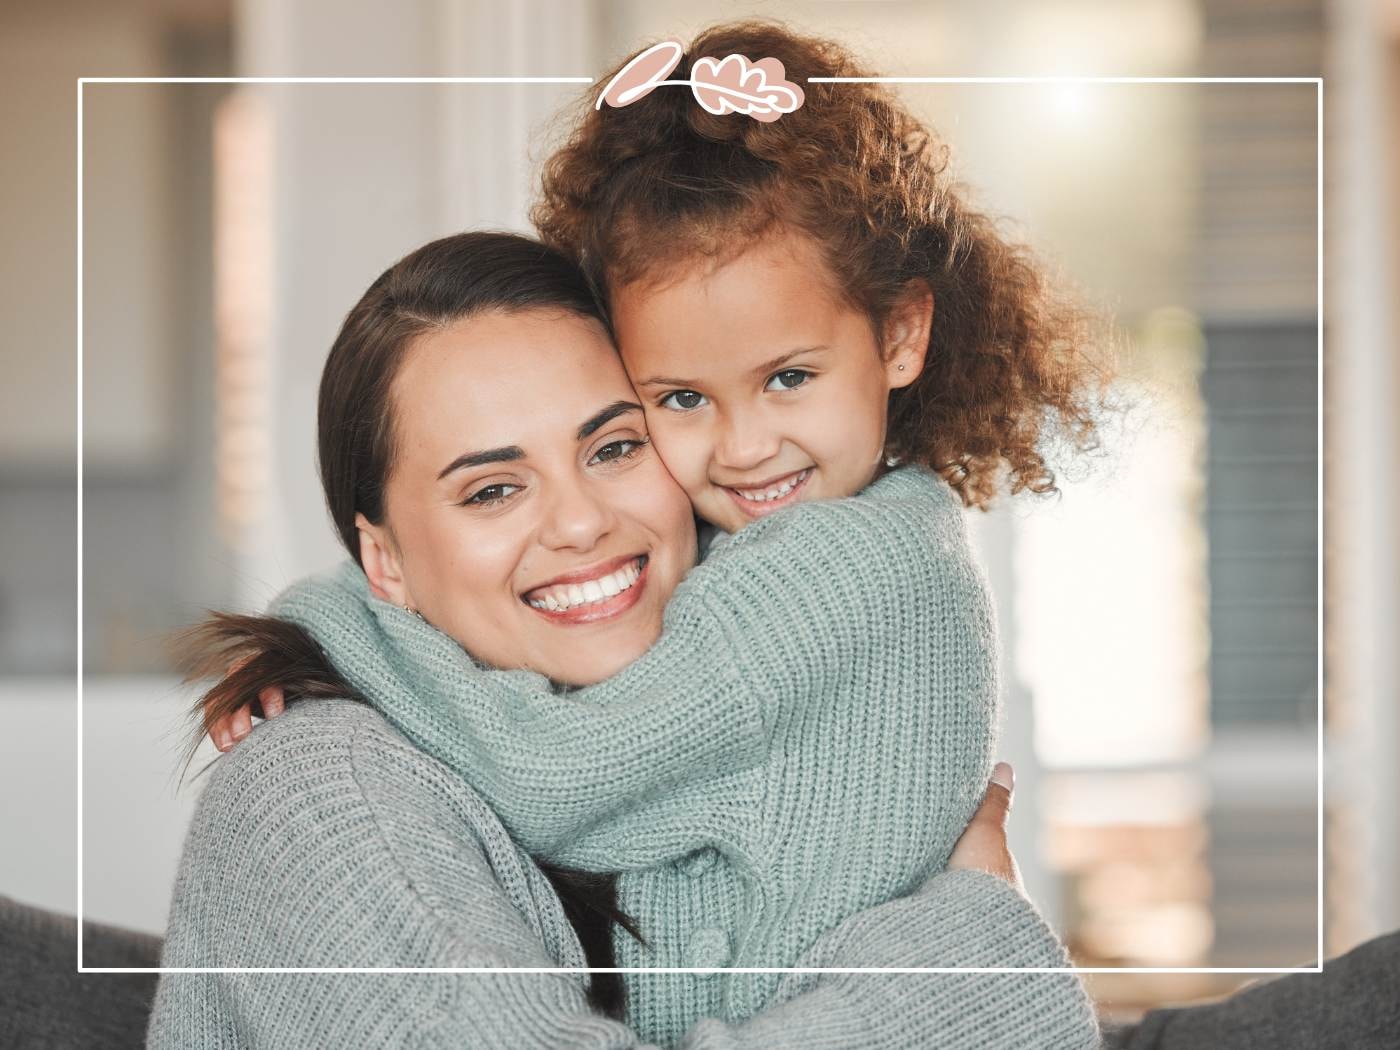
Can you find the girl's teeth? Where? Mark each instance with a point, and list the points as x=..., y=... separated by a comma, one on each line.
x=775, y=491
x=558, y=599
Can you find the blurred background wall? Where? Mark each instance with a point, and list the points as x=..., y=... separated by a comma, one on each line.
x=1161, y=618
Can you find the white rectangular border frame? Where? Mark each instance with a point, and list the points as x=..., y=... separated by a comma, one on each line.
x=1316, y=81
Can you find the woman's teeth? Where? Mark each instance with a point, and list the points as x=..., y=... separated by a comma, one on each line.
x=777, y=491
x=571, y=595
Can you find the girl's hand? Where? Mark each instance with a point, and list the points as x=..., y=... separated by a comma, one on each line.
x=230, y=729
x=982, y=846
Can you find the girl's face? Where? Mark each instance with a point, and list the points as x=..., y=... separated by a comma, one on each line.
x=526, y=515
x=762, y=386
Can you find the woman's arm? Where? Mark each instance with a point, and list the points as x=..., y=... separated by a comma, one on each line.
x=959, y=919
x=356, y=851
x=770, y=622
x=973, y=915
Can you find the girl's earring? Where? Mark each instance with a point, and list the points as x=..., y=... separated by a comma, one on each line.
x=901, y=368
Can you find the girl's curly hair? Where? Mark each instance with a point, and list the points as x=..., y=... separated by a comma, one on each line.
x=639, y=190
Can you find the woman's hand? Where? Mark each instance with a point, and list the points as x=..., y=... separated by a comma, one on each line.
x=230, y=729
x=982, y=846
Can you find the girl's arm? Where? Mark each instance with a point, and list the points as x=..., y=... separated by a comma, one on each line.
x=769, y=622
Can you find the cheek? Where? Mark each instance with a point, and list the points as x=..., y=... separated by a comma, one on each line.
x=659, y=506
x=848, y=426
x=469, y=571
x=663, y=504
x=682, y=448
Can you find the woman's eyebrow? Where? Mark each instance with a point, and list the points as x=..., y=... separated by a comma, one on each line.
x=476, y=459
x=606, y=415
x=507, y=453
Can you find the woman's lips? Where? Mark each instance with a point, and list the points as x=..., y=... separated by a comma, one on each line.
x=778, y=493
x=590, y=609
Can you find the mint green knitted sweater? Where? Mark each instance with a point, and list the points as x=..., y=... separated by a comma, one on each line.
x=326, y=839
x=807, y=739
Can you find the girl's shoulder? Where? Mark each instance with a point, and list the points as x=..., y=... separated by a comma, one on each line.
x=908, y=513
x=901, y=540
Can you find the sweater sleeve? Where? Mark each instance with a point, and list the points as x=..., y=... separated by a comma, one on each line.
x=766, y=625
x=331, y=843
x=962, y=919
x=776, y=621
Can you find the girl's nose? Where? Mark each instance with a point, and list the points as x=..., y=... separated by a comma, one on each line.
x=744, y=442
x=576, y=518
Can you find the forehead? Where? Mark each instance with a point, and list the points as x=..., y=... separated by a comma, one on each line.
x=487, y=380
x=774, y=296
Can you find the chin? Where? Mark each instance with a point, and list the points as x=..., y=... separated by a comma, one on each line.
x=599, y=664
x=578, y=677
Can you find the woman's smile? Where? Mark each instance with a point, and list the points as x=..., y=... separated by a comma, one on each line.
x=589, y=595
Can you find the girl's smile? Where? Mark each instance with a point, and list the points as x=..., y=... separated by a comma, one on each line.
x=759, y=500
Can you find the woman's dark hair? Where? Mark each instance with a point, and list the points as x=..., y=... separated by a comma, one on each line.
x=446, y=281
x=640, y=190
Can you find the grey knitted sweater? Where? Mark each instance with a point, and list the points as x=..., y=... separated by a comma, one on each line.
x=807, y=739
x=327, y=840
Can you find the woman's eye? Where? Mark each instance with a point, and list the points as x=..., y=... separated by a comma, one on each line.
x=682, y=400
x=626, y=448
x=788, y=379
x=491, y=494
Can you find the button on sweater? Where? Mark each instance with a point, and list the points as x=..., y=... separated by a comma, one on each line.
x=819, y=711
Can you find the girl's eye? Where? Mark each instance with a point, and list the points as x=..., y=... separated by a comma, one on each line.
x=491, y=494
x=788, y=379
x=613, y=451
x=682, y=400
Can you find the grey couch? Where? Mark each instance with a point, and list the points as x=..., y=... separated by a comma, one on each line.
x=45, y=1004
x=1354, y=1004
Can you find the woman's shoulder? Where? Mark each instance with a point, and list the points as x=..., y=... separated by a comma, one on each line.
x=344, y=756
x=328, y=807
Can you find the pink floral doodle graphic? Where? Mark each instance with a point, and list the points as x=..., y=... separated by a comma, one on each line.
x=643, y=75
x=730, y=85
x=733, y=85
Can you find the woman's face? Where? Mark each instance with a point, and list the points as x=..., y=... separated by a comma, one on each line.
x=526, y=514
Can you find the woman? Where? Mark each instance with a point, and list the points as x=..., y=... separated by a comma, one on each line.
x=327, y=840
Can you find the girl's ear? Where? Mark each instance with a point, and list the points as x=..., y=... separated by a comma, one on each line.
x=381, y=563
x=906, y=334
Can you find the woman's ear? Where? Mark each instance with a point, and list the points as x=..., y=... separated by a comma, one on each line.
x=381, y=563
x=906, y=334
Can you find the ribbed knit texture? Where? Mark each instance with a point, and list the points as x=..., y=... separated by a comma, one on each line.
x=327, y=840
x=815, y=725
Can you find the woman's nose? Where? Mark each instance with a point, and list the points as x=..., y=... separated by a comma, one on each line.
x=745, y=442
x=576, y=517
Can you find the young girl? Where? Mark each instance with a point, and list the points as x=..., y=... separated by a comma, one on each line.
x=815, y=323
